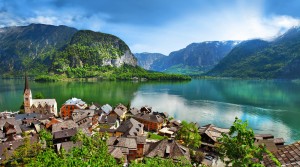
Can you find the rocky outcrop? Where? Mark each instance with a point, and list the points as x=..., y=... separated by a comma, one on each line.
x=126, y=59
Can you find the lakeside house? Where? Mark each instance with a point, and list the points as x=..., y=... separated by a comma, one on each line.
x=42, y=106
x=106, y=109
x=151, y=122
x=210, y=134
x=120, y=111
x=70, y=105
x=288, y=156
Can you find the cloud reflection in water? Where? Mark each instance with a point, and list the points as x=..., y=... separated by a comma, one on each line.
x=218, y=113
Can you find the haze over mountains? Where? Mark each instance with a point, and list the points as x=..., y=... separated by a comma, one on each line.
x=196, y=58
x=256, y=58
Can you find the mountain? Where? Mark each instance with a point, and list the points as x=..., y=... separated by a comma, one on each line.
x=279, y=58
x=39, y=49
x=196, y=58
x=22, y=45
x=145, y=60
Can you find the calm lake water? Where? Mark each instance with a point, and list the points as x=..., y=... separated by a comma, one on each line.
x=269, y=106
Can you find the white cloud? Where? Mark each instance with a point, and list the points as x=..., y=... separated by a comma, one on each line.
x=240, y=21
x=228, y=24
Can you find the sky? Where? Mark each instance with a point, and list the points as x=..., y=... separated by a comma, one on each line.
x=160, y=26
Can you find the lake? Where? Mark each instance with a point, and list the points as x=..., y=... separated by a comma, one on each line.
x=269, y=106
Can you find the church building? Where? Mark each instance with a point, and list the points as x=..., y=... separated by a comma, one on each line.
x=41, y=106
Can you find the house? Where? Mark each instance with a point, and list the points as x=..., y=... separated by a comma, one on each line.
x=210, y=134
x=127, y=145
x=146, y=109
x=34, y=115
x=174, y=125
x=122, y=107
x=116, y=152
x=130, y=127
x=141, y=142
x=50, y=122
x=68, y=124
x=287, y=156
x=64, y=135
x=168, y=148
x=95, y=106
x=70, y=105
x=109, y=120
x=162, y=114
x=42, y=106
x=263, y=136
x=82, y=117
x=106, y=108
x=269, y=140
x=67, y=146
x=133, y=111
x=119, y=113
x=166, y=132
x=9, y=128
x=151, y=122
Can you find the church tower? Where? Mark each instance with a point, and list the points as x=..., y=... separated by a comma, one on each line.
x=27, y=96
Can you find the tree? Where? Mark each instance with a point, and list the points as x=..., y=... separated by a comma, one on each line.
x=189, y=134
x=39, y=95
x=92, y=152
x=196, y=156
x=23, y=154
x=22, y=110
x=237, y=148
x=162, y=162
x=46, y=137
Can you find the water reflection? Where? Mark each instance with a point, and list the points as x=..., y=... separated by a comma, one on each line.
x=218, y=113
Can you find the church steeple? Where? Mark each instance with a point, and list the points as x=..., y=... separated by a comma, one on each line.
x=27, y=96
x=26, y=83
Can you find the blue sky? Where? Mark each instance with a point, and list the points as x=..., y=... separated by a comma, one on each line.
x=160, y=25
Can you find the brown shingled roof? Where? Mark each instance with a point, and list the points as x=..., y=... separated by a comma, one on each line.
x=212, y=131
x=168, y=149
x=149, y=117
x=64, y=133
x=288, y=156
x=131, y=127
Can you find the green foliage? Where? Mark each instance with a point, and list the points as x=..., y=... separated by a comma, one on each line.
x=46, y=137
x=125, y=72
x=39, y=95
x=22, y=109
x=71, y=54
x=24, y=154
x=155, y=136
x=189, y=134
x=237, y=148
x=47, y=78
x=93, y=152
x=261, y=59
x=196, y=156
x=156, y=161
